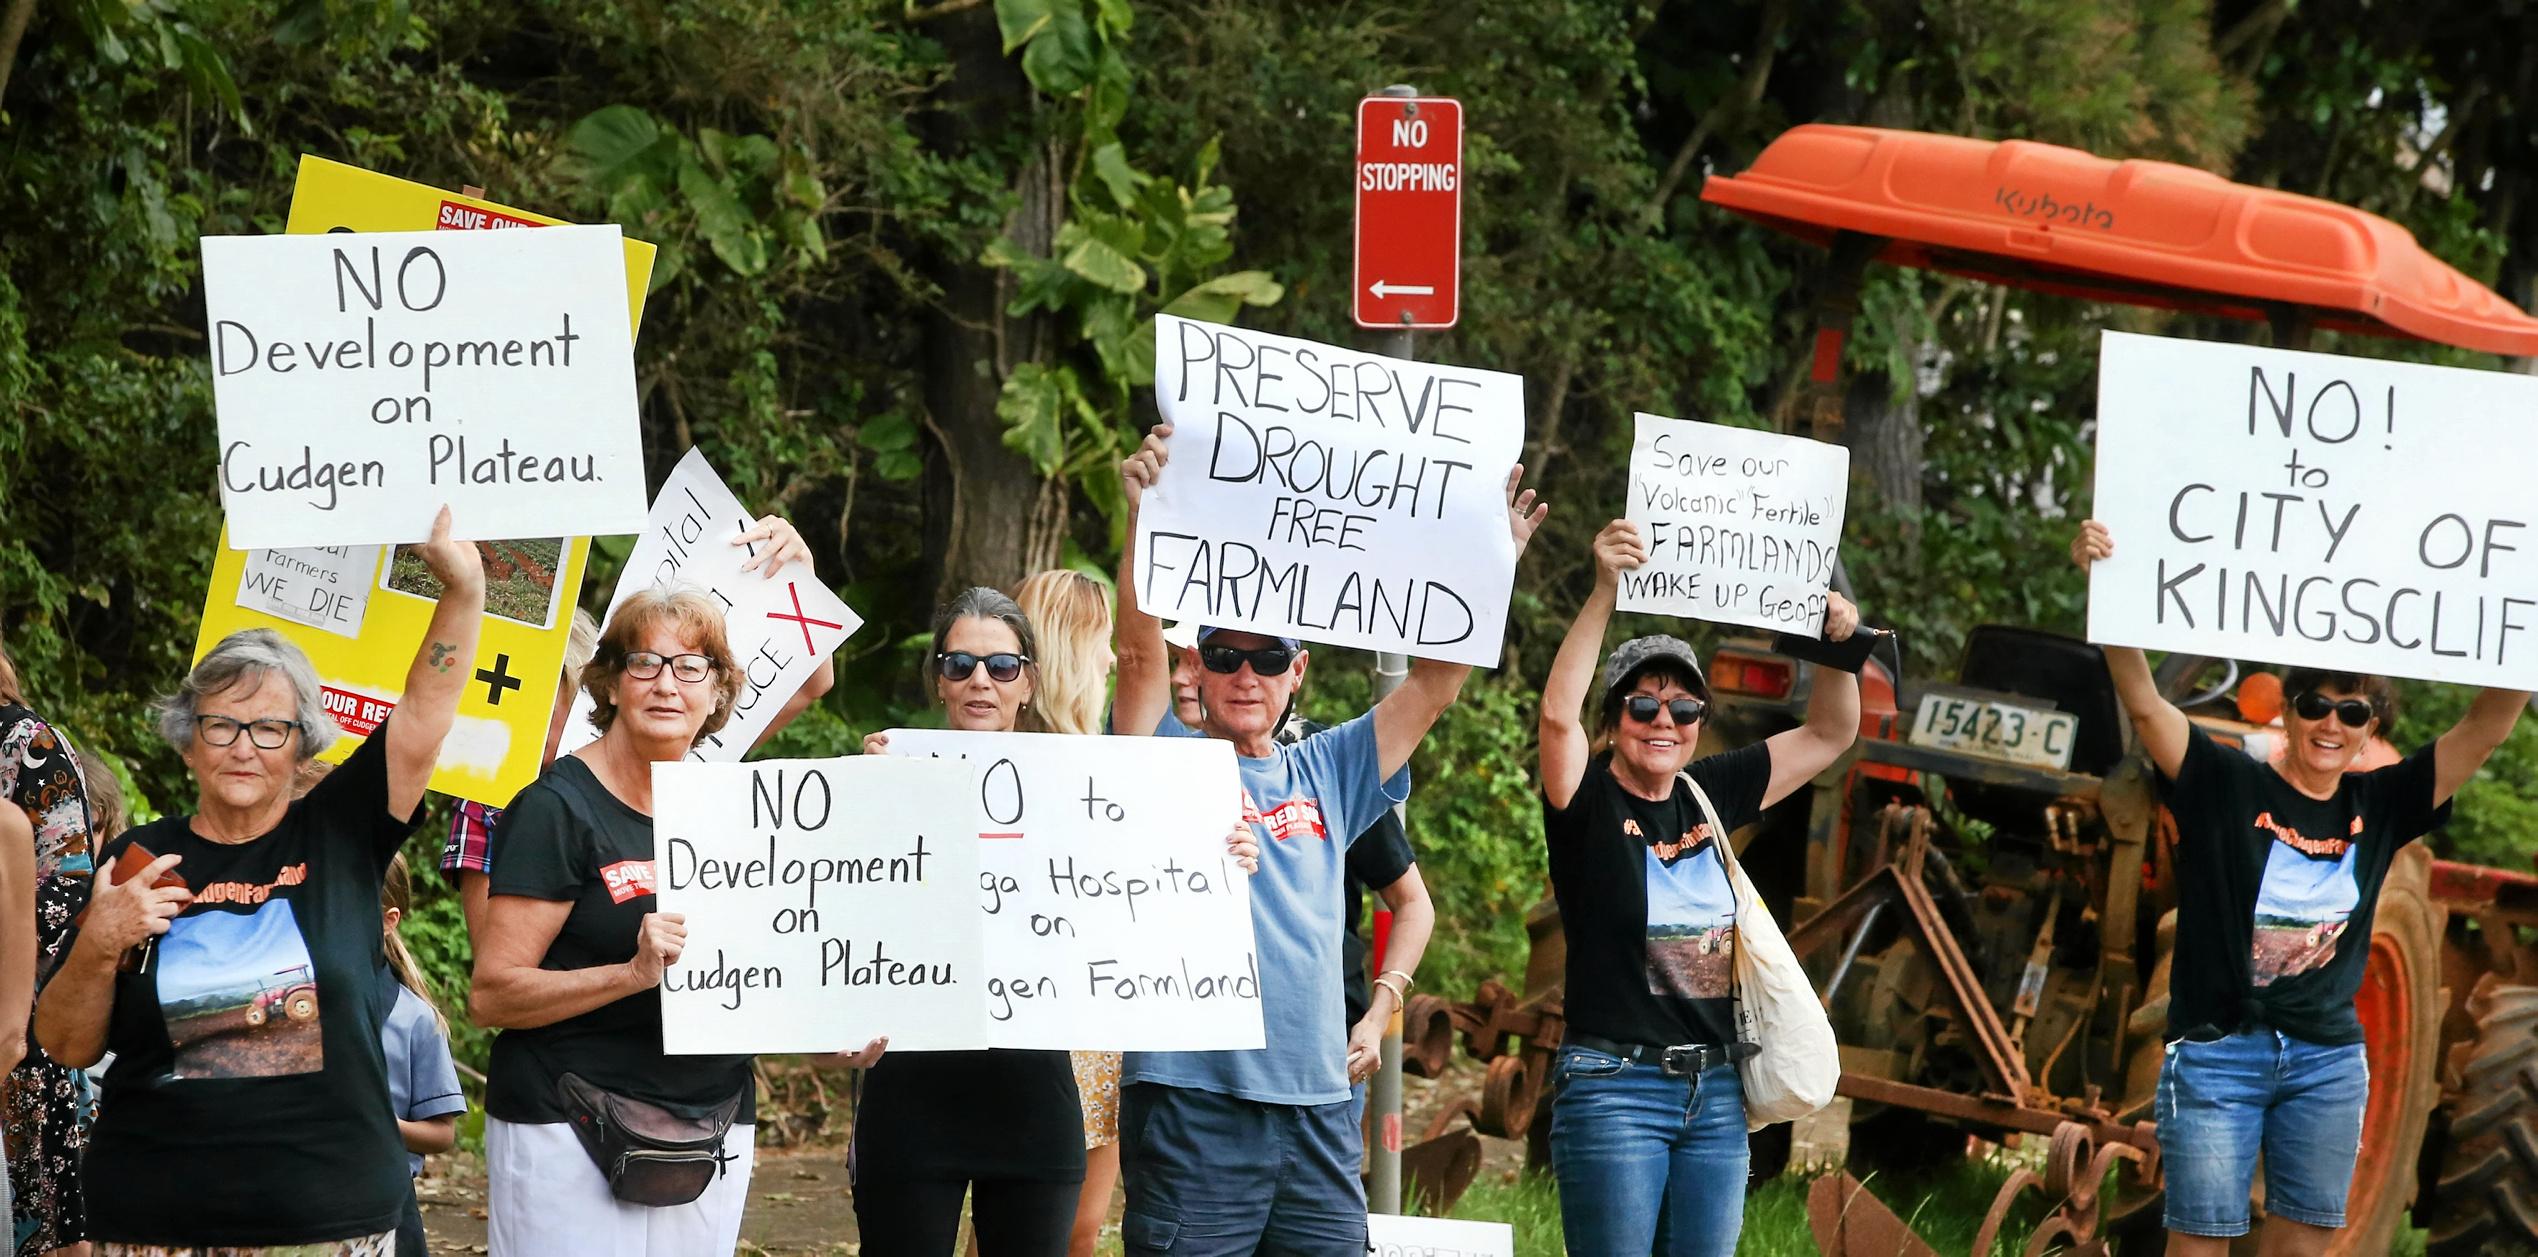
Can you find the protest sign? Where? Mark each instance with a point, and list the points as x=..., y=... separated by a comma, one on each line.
x=780, y=628
x=1331, y=495
x=325, y=587
x=2318, y=510
x=363, y=380
x=1398, y=1235
x=817, y=896
x=532, y=584
x=1113, y=917
x=1742, y=527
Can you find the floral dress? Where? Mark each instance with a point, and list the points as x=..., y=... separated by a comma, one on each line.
x=1097, y=1081
x=40, y=1100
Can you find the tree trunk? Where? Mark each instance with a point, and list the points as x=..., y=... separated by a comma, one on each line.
x=13, y=22
x=991, y=518
x=1886, y=439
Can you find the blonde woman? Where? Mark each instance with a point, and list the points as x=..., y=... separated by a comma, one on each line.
x=1071, y=612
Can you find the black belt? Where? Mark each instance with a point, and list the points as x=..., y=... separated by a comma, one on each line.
x=1684, y=1060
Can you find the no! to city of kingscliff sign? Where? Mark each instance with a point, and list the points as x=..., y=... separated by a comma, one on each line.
x=1409, y=211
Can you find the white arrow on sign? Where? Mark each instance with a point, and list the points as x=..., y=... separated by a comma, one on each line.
x=1382, y=290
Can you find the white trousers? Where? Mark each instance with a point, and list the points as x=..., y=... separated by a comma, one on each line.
x=544, y=1197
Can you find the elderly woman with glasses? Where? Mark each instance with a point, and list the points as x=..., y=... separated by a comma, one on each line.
x=2279, y=868
x=226, y=958
x=1647, y=1114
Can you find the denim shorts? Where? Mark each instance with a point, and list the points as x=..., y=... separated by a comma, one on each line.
x=2223, y=1101
x=1212, y=1175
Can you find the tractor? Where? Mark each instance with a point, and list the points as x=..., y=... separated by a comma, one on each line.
x=291, y=992
x=1983, y=889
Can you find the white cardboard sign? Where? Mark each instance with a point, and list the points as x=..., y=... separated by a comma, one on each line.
x=1398, y=1235
x=2313, y=509
x=817, y=895
x=780, y=629
x=363, y=380
x=1113, y=918
x=324, y=587
x=1742, y=527
x=1331, y=495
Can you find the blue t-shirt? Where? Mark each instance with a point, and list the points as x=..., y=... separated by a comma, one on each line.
x=422, y=1080
x=1304, y=802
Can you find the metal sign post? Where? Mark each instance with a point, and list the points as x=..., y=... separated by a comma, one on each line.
x=1409, y=272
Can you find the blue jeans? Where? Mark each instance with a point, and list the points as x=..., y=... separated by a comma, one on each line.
x=1647, y=1162
x=1210, y=1175
x=2222, y=1100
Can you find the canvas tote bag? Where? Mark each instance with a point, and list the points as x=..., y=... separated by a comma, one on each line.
x=1797, y=1063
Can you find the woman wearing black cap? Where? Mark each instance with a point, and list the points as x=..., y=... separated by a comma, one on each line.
x=1648, y=1118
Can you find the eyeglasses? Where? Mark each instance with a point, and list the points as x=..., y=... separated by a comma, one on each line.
x=1643, y=708
x=1268, y=661
x=643, y=665
x=270, y=735
x=2313, y=705
x=956, y=665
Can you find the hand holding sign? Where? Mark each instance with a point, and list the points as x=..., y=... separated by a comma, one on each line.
x=457, y=565
x=658, y=942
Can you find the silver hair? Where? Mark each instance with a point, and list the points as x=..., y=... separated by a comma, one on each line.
x=241, y=659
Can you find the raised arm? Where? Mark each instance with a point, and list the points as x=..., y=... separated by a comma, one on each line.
x=2162, y=728
x=1562, y=725
x=1832, y=723
x=443, y=667
x=1406, y=714
x=1145, y=664
x=2464, y=749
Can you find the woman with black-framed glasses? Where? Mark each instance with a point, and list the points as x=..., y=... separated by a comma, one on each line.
x=1647, y=1115
x=246, y=1106
x=2279, y=869
x=1002, y=1127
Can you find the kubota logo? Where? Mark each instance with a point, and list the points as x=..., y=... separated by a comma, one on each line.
x=2051, y=208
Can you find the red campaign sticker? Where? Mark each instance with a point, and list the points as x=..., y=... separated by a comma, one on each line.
x=357, y=714
x=627, y=879
x=457, y=217
x=1296, y=818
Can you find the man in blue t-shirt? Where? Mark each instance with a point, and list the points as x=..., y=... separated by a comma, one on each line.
x=1236, y=1152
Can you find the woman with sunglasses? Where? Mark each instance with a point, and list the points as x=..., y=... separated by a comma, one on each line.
x=227, y=958
x=1648, y=1116
x=573, y=949
x=2279, y=868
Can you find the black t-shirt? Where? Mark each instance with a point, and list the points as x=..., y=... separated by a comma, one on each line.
x=2276, y=890
x=1002, y=1113
x=1378, y=858
x=1646, y=903
x=248, y=1103
x=567, y=839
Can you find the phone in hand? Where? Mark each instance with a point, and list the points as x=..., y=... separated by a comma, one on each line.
x=127, y=866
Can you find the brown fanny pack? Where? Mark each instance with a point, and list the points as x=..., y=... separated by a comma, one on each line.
x=650, y=1155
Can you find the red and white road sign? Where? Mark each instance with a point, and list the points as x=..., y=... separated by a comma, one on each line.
x=1409, y=211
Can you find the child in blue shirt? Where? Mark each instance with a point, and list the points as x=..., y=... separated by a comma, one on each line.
x=422, y=1079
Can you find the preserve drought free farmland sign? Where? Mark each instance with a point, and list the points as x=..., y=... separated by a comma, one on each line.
x=364, y=379
x=1112, y=915
x=1742, y=527
x=2312, y=509
x=826, y=902
x=1331, y=495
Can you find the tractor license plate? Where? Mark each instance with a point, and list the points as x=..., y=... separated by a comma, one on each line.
x=1996, y=730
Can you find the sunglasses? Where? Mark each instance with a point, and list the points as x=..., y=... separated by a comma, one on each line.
x=956, y=665
x=1267, y=661
x=1644, y=707
x=2313, y=705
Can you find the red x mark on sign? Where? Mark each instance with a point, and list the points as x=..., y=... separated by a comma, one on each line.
x=799, y=618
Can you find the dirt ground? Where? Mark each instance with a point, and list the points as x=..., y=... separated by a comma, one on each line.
x=799, y=1205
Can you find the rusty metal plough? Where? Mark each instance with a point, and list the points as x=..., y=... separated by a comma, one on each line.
x=1848, y=1221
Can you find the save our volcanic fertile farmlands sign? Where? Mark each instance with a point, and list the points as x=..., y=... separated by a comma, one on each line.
x=2302, y=508
x=365, y=379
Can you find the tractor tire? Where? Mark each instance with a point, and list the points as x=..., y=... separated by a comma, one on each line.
x=301, y=1006
x=2487, y=1202
x=2400, y=1007
x=255, y=1015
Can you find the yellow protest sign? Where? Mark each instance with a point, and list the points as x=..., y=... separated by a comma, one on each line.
x=360, y=611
